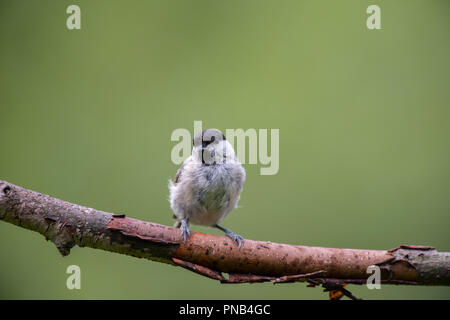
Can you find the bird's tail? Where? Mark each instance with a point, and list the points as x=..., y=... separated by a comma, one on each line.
x=177, y=223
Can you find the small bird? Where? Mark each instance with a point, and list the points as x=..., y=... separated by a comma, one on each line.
x=208, y=185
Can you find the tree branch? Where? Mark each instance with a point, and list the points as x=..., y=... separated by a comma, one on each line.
x=67, y=224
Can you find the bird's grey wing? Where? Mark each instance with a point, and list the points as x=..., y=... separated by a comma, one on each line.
x=175, y=180
x=179, y=174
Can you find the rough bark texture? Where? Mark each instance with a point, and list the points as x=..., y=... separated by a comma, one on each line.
x=67, y=224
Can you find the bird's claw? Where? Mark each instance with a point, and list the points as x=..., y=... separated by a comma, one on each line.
x=235, y=237
x=185, y=232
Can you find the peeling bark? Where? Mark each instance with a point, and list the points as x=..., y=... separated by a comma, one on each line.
x=67, y=224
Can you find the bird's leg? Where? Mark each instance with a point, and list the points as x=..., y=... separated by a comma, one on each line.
x=237, y=238
x=186, y=233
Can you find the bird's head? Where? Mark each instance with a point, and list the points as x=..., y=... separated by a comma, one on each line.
x=211, y=147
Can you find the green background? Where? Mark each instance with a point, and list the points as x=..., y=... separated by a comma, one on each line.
x=86, y=116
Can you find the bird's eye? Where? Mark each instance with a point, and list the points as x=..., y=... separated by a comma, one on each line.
x=206, y=143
